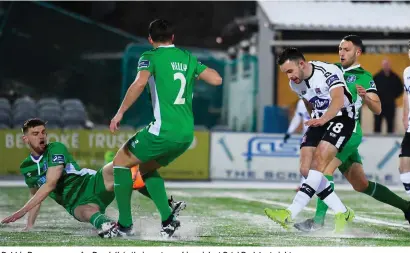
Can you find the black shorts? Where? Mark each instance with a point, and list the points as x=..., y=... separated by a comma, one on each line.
x=405, y=146
x=337, y=132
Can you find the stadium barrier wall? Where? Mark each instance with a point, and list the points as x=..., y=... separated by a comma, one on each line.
x=265, y=157
x=88, y=149
x=194, y=163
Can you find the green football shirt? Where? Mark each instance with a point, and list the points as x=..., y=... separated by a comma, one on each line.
x=73, y=179
x=173, y=72
x=357, y=75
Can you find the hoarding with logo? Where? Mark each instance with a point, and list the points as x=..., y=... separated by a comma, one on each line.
x=88, y=148
x=266, y=157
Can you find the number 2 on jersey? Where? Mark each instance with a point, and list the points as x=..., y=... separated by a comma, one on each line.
x=180, y=100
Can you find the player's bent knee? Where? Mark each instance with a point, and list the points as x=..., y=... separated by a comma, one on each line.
x=404, y=164
x=304, y=171
x=108, y=176
x=149, y=167
x=328, y=171
x=331, y=167
x=83, y=213
x=319, y=156
x=324, y=154
x=125, y=158
x=360, y=185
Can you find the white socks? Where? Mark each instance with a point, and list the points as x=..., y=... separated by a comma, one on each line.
x=405, y=179
x=304, y=195
x=316, y=183
x=302, y=181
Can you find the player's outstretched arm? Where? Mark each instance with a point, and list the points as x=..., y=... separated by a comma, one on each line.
x=133, y=93
x=210, y=76
x=135, y=90
x=52, y=177
x=33, y=213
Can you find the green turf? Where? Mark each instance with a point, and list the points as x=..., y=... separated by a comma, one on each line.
x=213, y=217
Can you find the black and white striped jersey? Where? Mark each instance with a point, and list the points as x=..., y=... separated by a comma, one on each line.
x=316, y=89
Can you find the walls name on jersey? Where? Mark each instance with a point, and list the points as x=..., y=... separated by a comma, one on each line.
x=179, y=66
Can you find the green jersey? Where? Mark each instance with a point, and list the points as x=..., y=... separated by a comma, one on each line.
x=73, y=179
x=357, y=75
x=173, y=72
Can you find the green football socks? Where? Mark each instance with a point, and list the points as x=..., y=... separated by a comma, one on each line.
x=383, y=194
x=156, y=189
x=98, y=219
x=123, y=191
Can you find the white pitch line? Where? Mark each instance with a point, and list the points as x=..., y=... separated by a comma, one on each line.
x=242, y=196
x=241, y=185
x=270, y=202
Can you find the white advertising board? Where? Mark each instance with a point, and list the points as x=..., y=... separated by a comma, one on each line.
x=265, y=157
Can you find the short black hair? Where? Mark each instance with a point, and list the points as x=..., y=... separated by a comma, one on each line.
x=161, y=30
x=356, y=40
x=33, y=122
x=290, y=53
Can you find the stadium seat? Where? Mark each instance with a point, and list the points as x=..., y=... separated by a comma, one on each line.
x=4, y=101
x=21, y=116
x=4, y=108
x=72, y=102
x=5, y=104
x=4, y=126
x=53, y=118
x=77, y=111
x=5, y=119
x=73, y=127
x=73, y=119
x=53, y=109
x=19, y=121
x=44, y=102
x=25, y=113
x=75, y=108
x=24, y=100
x=24, y=106
x=53, y=126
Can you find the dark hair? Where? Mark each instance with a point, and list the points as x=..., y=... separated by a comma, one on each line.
x=356, y=40
x=408, y=44
x=30, y=123
x=290, y=53
x=161, y=30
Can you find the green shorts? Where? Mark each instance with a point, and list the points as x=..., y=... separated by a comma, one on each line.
x=147, y=147
x=94, y=193
x=350, y=153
